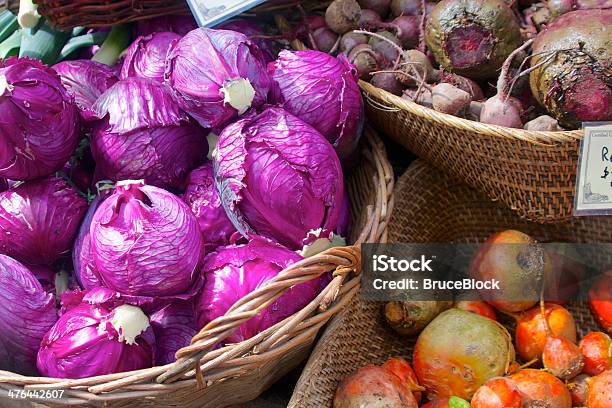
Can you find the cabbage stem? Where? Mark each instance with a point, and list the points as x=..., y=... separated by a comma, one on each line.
x=239, y=93
x=28, y=16
x=3, y=84
x=117, y=41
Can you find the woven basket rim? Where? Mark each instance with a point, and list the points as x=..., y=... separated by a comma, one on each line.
x=538, y=137
x=233, y=359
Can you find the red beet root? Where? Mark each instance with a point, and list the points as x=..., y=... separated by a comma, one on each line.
x=365, y=60
x=343, y=16
x=389, y=53
x=463, y=83
x=562, y=358
x=408, y=29
x=497, y=393
x=543, y=123
x=325, y=39
x=450, y=99
x=596, y=347
x=541, y=389
x=531, y=331
x=405, y=8
x=600, y=391
x=477, y=306
x=387, y=81
x=579, y=389
x=404, y=372
x=350, y=40
x=379, y=6
x=600, y=296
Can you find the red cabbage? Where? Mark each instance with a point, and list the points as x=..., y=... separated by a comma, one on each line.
x=174, y=326
x=84, y=266
x=99, y=335
x=27, y=312
x=322, y=91
x=145, y=241
x=180, y=25
x=146, y=57
x=86, y=80
x=39, y=123
x=252, y=30
x=234, y=271
x=3, y=185
x=279, y=178
x=142, y=134
x=203, y=198
x=217, y=75
x=39, y=220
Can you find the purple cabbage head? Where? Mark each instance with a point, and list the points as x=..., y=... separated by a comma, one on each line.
x=86, y=80
x=82, y=259
x=39, y=220
x=39, y=123
x=100, y=335
x=322, y=91
x=279, y=178
x=3, y=185
x=145, y=241
x=174, y=326
x=180, y=25
x=217, y=75
x=234, y=271
x=146, y=57
x=203, y=198
x=27, y=312
x=142, y=134
x=252, y=30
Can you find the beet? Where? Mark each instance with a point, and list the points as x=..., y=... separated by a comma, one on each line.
x=596, y=347
x=466, y=84
x=562, y=358
x=350, y=40
x=477, y=306
x=541, y=389
x=459, y=351
x=365, y=60
x=410, y=317
x=387, y=81
x=386, y=50
x=343, y=16
x=472, y=37
x=498, y=392
x=600, y=303
x=449, y=99
x=416, y=60
x=600, y=391
x=405, y=8
x=424, y=97
x=452, y=402
x=579, y=389
x=408, y=29
x=531, y=332
x=571, y=67
x=518, y=262
x=325, y=39
x=543, y=123
x=379, y=6
x=401, y=368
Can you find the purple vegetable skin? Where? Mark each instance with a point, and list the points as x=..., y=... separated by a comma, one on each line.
x=323, y=92
x=174, y=326
x=27, y=312
x=146, y=57
x=203, y=198
x=142, y=134
x=217, y=75
x=180, y=25
x=86, y=80
x=39, y=123
x=236, y=270
x=252, y=30
x=278, y=178
x=39, y=220
x=145, y=241
x=95, y=337
x=85, y=269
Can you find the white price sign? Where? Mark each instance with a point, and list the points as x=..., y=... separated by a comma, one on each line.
x=209, y=13
x=594, y=179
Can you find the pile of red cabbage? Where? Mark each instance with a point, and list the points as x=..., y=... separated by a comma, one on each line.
x=123, y=232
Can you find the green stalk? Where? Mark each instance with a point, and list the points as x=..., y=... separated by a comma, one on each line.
x=10, y=46
x=28, y=16
x=118, y=40
x=8, y=24
x=82, y=41
x=43, y=43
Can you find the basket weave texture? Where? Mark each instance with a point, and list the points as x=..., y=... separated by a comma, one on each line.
x=530, y=172
x=206, y=377
x=430, y=207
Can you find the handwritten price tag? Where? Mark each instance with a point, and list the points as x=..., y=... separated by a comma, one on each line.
x=209, y=13
x=594, y=181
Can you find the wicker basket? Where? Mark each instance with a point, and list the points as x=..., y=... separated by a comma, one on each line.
x=429, y=208
x=237, y=373
x=12, y=5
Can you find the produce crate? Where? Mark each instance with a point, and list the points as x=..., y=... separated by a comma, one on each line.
x=430, y=207
x=239, y=372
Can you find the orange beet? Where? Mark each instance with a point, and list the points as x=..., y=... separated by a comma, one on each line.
x=600, y=301
x=600, y=391
x=541, y=389
x=445, y=402
x=518, y=263
x=530, y=337
x=596, y=347
x=401, y=368
x=477, y=306
x=498, y=392
x=578, y=389
x=562, y=358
